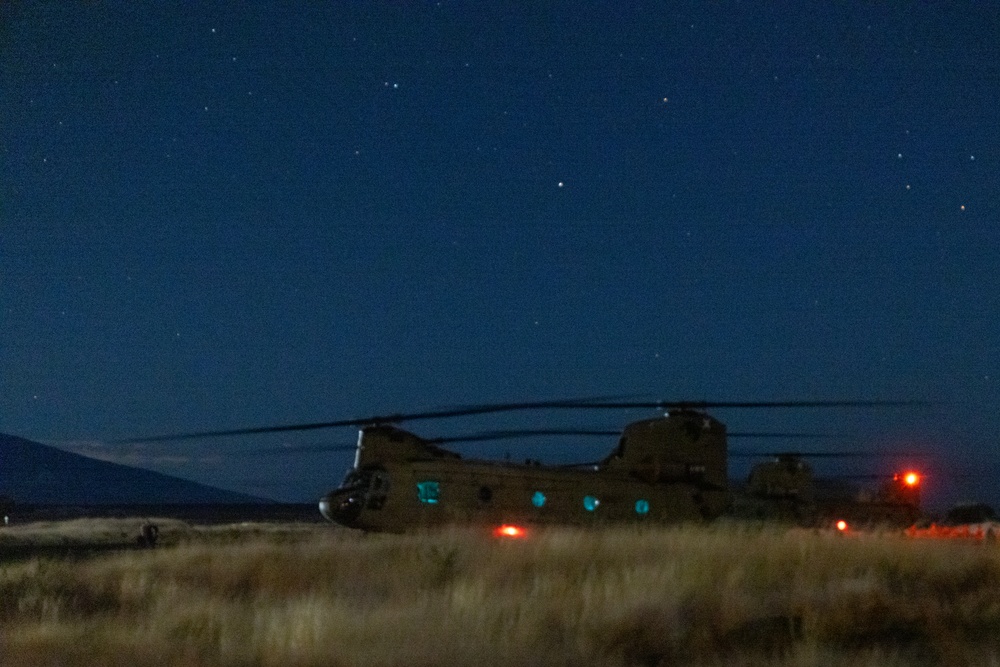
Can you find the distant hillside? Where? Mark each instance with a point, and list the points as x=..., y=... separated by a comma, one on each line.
x=33, y=473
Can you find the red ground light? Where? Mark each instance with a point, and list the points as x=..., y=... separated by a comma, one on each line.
x=508, y=530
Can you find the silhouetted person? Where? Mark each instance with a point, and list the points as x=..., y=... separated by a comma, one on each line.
x=148, y=535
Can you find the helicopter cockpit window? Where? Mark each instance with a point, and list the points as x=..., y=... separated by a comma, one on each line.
x=538, y=500
x=428, y=492
x=485, y=494
x=378, y=489
x=353, y=479
x=642, y=507
x=590, y=503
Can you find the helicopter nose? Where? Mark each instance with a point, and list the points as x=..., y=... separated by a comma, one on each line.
x=325, y=507
x=342, y=506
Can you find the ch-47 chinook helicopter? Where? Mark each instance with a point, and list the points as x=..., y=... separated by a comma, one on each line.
x=670, y=468
x=785, y=488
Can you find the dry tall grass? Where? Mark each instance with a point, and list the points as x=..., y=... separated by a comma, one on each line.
x=690, y=595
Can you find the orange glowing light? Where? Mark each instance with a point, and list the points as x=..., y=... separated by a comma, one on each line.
x=842, y=526
x=508, y=530
x=911, y=479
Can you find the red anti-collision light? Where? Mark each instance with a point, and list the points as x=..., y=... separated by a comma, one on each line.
x=842, y=526
x=911, y=479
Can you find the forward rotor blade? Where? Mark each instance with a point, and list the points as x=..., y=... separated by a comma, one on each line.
x=574, y=404
x=366, y=421
x=300, y=449
x=586, y=464
x=488, y=436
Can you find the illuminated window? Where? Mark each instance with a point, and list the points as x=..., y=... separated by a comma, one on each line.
x=538, y=500
x=428, y=492
x=590, y=503
x=642, y=506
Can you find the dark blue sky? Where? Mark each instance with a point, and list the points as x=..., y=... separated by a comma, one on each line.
x=218, y=215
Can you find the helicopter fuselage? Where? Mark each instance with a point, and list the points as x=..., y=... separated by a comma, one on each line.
x=664, y=470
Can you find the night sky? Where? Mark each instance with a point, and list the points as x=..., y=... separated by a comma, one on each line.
x=217, y=215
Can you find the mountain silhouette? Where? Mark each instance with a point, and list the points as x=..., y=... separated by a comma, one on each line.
x=33, y=473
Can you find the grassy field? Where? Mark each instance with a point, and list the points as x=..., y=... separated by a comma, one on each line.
x=315, y=595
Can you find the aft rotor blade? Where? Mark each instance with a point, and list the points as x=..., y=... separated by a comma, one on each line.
x=888, y=475
x=828, y=455
x=543, y=432
x=813, y=455
x=764, y=434
x=705, y=405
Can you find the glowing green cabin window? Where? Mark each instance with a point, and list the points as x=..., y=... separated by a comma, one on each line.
x=642, y=506
x=590, y=503
x=428, y=492
x=538, y=500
